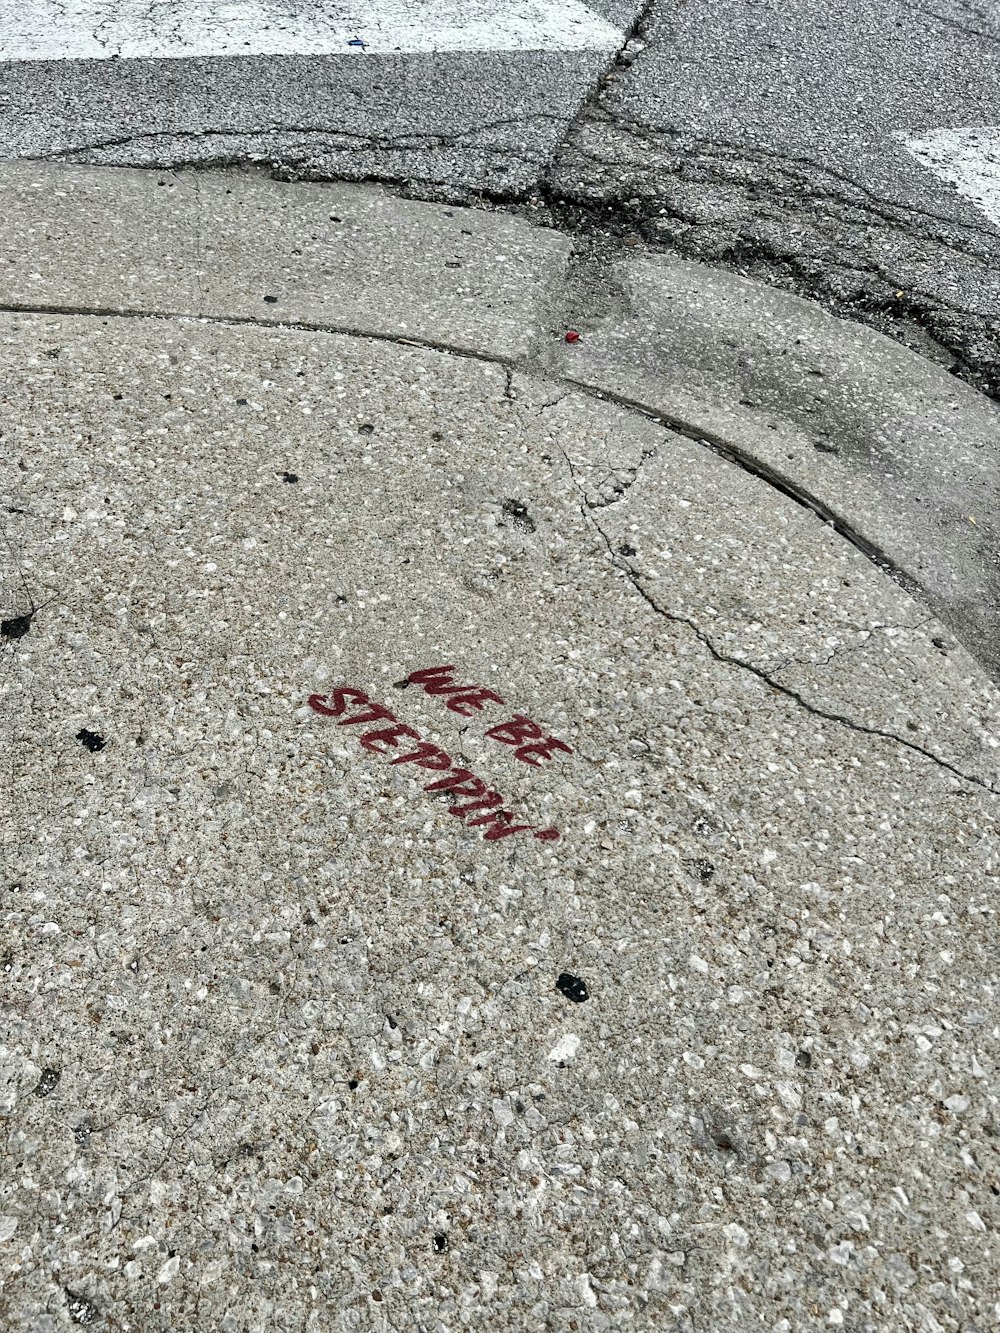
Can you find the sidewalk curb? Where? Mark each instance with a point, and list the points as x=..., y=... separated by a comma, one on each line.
x=900, y=457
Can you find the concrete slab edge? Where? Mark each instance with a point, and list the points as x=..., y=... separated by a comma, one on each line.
x=684, y=346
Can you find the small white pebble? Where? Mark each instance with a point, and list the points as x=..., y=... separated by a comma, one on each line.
x=169, y=1270
x=564, y=1049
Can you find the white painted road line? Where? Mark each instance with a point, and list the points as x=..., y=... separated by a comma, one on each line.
x=967, y=158
x=34, y=30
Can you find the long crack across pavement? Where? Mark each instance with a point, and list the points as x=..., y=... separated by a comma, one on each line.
x=726, y=659
x=333, y=140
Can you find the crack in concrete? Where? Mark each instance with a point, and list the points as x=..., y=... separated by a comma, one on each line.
x=726, y=659
x=731, y=454
x=622, y=480
x=678, y=426
x=846, y=649
x=949, y=21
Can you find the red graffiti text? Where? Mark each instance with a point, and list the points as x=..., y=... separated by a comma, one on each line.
x=474, y=802
x=527, y=739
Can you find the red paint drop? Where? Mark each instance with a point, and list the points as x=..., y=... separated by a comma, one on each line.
x=572, y=336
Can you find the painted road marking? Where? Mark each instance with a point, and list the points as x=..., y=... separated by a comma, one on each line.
x=33, y=30
x=967, y=158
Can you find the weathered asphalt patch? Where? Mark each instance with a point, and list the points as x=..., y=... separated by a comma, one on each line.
x=310, y=1043
x=439, y=91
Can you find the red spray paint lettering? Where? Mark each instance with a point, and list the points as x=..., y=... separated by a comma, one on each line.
x=527, y=739
x=474, y=794
x=439, y=680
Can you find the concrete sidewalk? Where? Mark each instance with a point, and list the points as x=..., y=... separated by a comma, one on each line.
x=482, y=855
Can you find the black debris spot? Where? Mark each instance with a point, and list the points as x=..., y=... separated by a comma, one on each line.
x=81, y=1310
x=436, y=435
x=452, y=263
x=704, y=870
x=90, y=739
x=117, y=397
x=53, y=351
x=572, y=987
x=270, y=300
x=241, y=402
x=440, y=1242
x=334, y=218
x=168, y=396
x=824, y=447
x=341, y=598
x=401, y=684
x=82, y=1135
x=16, y=627
x=939, y=643
x=290, y=477
x=366, y=429
x=722, y=1138
x=626, y=549
x=804, y=1060
x=49, y=1079
x=352, y=1083
x=518, y=515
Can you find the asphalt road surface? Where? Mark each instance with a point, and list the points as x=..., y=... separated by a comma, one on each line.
x=849, y=152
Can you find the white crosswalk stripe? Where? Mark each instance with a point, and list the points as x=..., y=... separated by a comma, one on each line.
x=135, y=29
x=967, y=158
